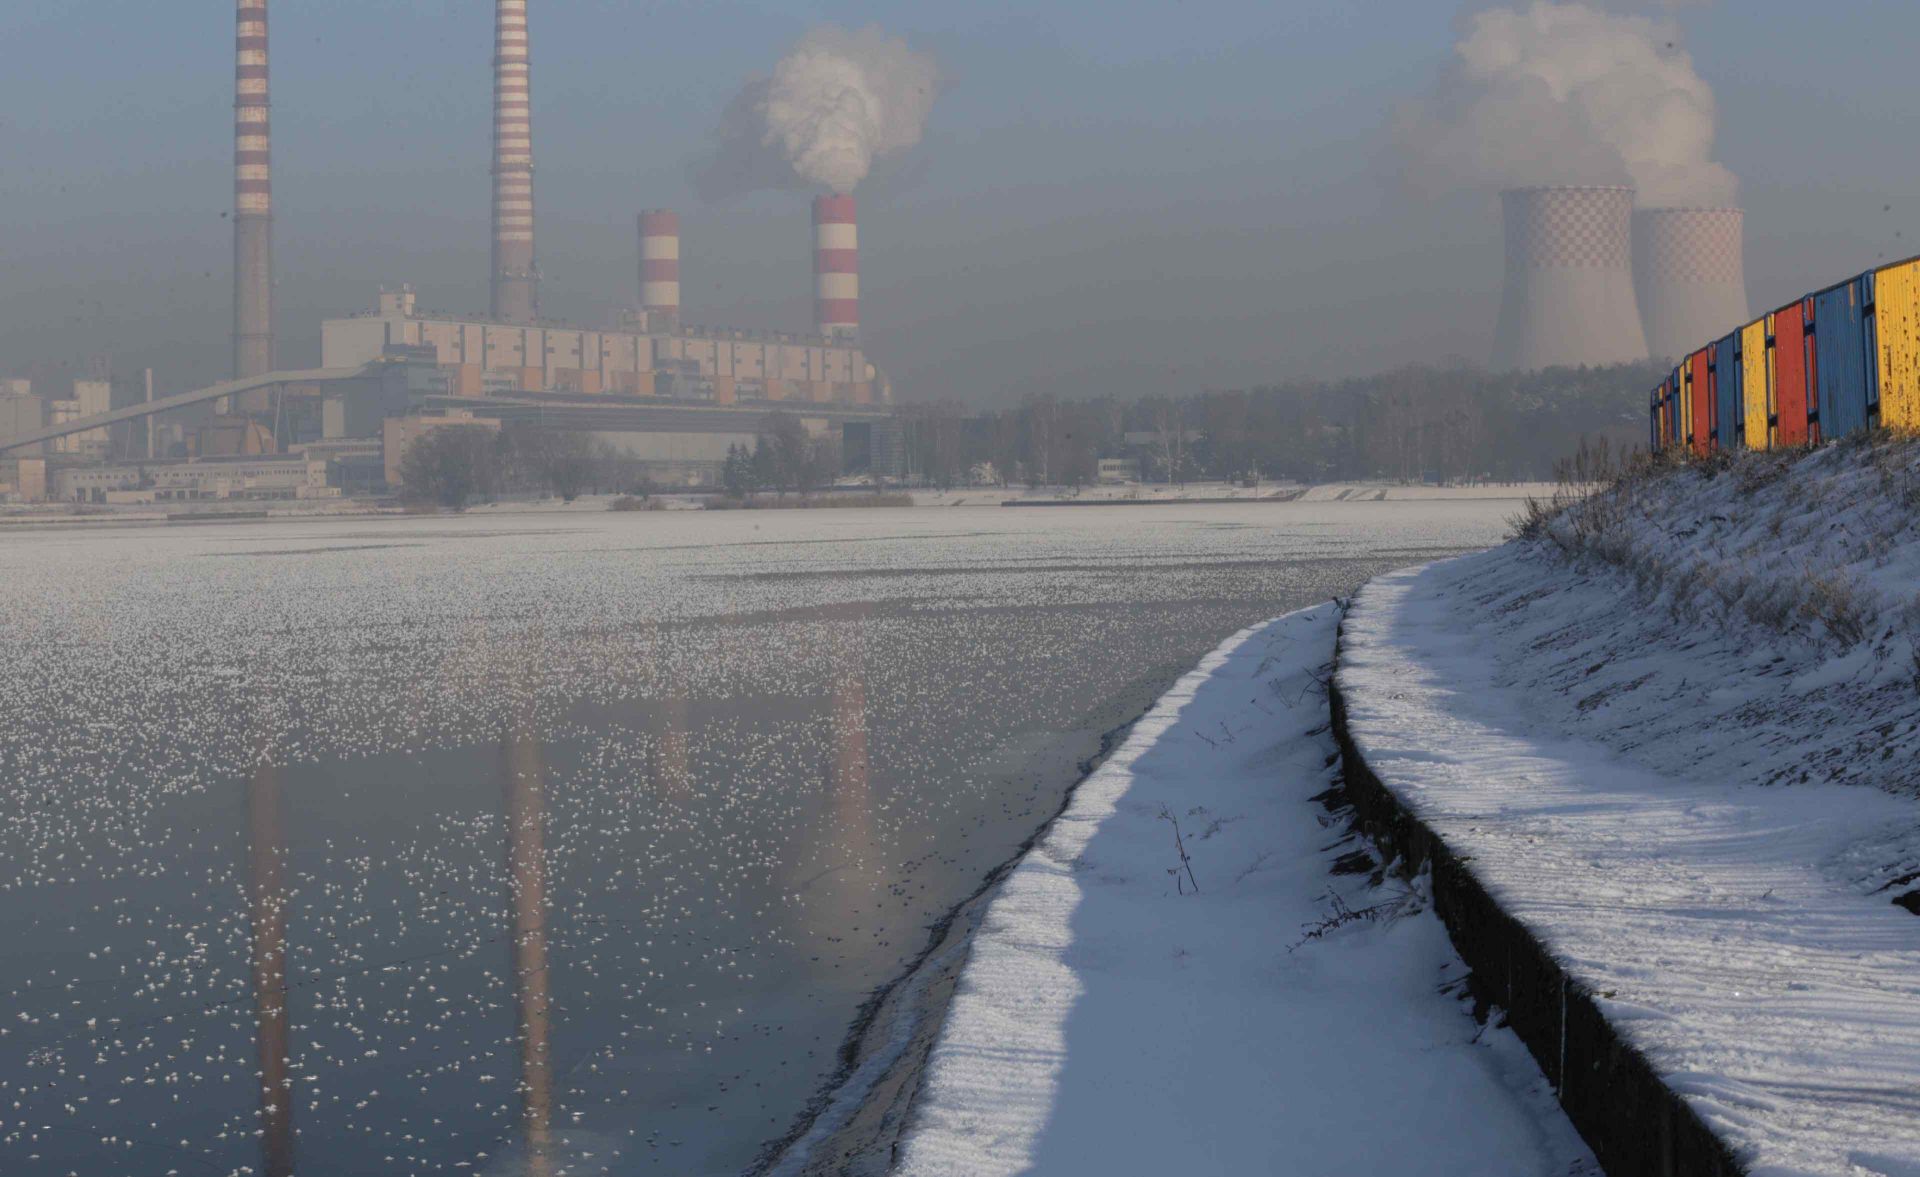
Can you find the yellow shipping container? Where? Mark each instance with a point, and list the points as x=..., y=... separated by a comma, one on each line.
x=1686, y=403
x=1753, y=384
x=1896, y=314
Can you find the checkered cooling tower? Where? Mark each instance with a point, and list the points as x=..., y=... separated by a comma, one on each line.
x=1569, y=296
x=1692, y=281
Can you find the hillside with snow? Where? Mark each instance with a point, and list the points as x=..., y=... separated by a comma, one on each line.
x=1751, y=618
x=1671, y=731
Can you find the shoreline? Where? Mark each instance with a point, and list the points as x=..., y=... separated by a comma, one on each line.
x=854, y=1121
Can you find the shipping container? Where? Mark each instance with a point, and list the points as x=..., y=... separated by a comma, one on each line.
x=1787, y=348
x=1653, y=417
x=1753, y=385
x=1699, y=401
x=1675, y=431
x=1726, y=392
x=1840, y=323
x=1896, y=315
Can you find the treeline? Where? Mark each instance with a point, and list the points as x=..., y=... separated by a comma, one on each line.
x=1412, y=424
x=784, y=457
x=456, y=464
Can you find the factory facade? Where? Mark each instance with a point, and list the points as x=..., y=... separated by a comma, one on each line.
x=672, y=397
x=482, y=357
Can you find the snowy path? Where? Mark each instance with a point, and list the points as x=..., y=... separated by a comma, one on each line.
x=1721, y=925
x=1107, y=1023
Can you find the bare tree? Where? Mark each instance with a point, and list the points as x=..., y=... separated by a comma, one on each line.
x=789, y=451
x=449, y=465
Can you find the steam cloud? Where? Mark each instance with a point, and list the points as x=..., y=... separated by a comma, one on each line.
x=836, y=102
x=1564, y=93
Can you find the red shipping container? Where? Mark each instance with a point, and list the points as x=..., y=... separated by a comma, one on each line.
x=1790, y=375
x=1701, y=390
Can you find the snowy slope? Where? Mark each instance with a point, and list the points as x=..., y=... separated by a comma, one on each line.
x=1112, y=1020
x=1750, y=621
x=1632, y=728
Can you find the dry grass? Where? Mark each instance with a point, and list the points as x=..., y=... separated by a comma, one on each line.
x=1620, y=523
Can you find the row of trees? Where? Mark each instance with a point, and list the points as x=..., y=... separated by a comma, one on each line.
x=455, y=464
x=784, y=457
x=1455, y=424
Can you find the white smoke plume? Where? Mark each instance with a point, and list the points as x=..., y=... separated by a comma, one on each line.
x=836, y=102
x=1565, y=93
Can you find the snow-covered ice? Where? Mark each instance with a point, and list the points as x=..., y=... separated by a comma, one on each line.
x=1640, y=767
x=1112, y=1019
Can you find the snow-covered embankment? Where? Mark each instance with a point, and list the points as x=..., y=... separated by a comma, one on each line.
x=1246, y=1010
x=1660, y=758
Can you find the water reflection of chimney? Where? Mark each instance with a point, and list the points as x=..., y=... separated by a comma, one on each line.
x=849, y=783
x=838, y=881
x=267, y=916
x=524, y=775
x=671, y=763
x=669, y=768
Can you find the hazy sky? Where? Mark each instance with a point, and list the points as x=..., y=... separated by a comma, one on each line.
x=1111, y=196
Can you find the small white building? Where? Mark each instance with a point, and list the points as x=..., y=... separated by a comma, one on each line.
x=240, y=477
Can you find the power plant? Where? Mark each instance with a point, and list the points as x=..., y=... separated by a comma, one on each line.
x=660, y=268
x=836, y=267
x=1689, y=274
x=1569, y=297
x=516, y=279
x=252, y=196
x=671, y=397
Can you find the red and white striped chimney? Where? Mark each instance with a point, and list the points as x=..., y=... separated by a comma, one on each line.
x=660, y=268
x=252, y=196
x=836, y=267
x=516, y=279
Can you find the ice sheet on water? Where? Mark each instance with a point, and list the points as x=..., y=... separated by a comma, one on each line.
x=716, y=771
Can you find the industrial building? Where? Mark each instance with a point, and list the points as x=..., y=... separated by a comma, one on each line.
x=1569, y=297
x=1591, y=279
x=1689, y=274
x=293, y=476
x=672, y=396
x=483, y=357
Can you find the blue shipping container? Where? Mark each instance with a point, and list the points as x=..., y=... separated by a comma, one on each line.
x=1841, y=358
x=1674, y=394
x=1726, y=392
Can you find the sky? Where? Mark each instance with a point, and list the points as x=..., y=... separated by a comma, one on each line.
x=1117, y=197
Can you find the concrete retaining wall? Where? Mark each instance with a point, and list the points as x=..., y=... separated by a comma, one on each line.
x=1634, y=1122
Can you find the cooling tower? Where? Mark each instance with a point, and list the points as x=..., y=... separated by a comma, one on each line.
x=1569, y=293
x=252, y=196
x=1688, y=270
x=836, y=267
x=660, y=268
x=515, y=278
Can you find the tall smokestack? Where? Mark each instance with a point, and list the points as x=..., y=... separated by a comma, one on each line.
x=1569, y=291
x=660, y=268
x=1692, y=281
x=836, y=267
x=252, y=196
x=516, y=296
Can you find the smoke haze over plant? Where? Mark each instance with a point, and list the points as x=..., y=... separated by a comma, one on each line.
x=1115, y=198
x=836, y=102
x=1568, y=94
